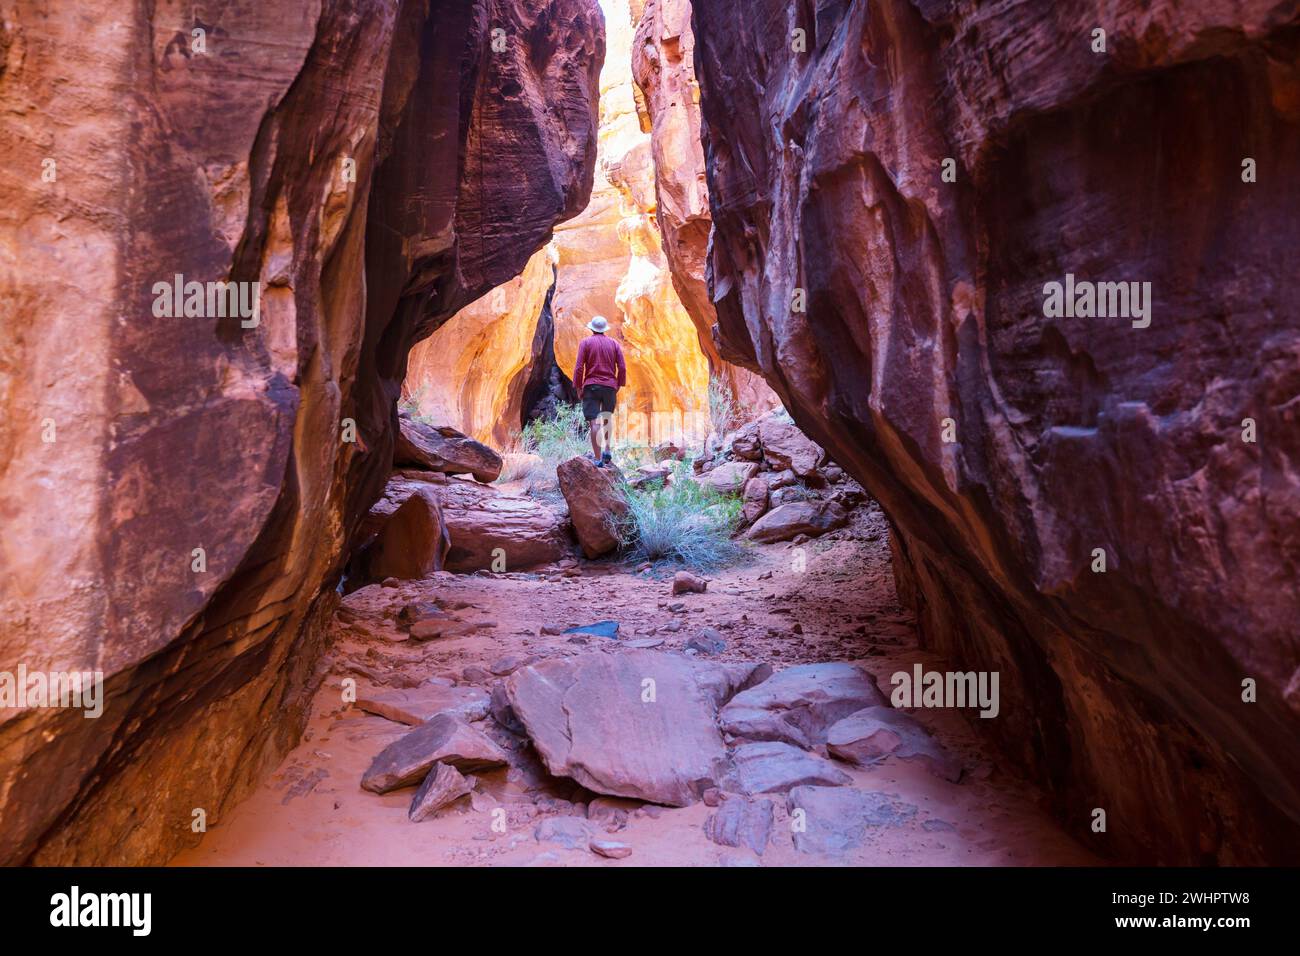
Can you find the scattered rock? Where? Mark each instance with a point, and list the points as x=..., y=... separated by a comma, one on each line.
x=870, y=735
x=741, y=822
x=798, y=704
x=775, y=767
x=433, y=628
x=746, y=444
x=686, y=583
x=443, y=785
x=596, y=503
x=837, y=818
x=418, y=705
x=501, y=710
x=443, y=449
x=708, y=641
x=813, y=518
x=572, y=833
x=611, y=849
x=645, y=643
x=445, y=738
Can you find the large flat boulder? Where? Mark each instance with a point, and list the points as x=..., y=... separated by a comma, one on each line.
x=633, y=723
x=813, y=518
x=596, y=503
x=443, y=449
x=798, y=704
x=447, y=739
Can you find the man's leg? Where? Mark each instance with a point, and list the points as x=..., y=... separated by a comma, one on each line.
x=593, y=427
x=607, y=433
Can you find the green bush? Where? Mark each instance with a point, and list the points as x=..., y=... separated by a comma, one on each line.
x=553, y=440
x=682, y=522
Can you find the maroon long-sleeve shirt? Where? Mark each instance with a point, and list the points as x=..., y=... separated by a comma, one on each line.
x=600, y=362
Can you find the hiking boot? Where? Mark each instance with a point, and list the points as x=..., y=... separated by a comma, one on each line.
x=597, y=459
x=606, y=459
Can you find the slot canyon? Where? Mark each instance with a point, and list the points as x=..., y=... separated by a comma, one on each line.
x=893, y=562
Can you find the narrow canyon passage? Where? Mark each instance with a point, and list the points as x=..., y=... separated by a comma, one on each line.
x=950, y=508
x=310, y=811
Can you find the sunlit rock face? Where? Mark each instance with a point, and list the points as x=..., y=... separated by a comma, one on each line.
x=1011, y=447
x=667, y=100
x=611, y=263
x=473, y=372
x=177, y=492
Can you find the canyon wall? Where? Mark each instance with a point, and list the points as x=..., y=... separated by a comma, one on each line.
x=921, y=170
x=667, y=102
x=177, y=492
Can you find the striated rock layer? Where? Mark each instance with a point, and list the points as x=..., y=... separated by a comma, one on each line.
x=926, y=321
x=375, y=167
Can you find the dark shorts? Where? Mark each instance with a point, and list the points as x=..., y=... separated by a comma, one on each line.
x=598, y=399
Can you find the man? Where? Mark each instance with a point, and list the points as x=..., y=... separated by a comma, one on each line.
x=598, y=375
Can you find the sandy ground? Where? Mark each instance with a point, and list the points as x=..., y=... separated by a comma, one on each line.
x=840, y=606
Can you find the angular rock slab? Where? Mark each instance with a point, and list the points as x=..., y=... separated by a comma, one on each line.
x=728, y=478
x=785, y=446
x=443, y=785
x=740, y=821
x=588, y=719
x=443, y=449
x=445, y=738
x=596, y=503
x=775, y=767
x=868, y=736
x=413, y=542
x=798, y=704
x=836, y=819
x=418, y=705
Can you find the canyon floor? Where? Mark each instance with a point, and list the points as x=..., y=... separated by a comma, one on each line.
x=840, y=607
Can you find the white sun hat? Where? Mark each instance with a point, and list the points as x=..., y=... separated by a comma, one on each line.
x=598, y=324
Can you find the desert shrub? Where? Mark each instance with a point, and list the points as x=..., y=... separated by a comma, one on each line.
x=682, y=521
x=553, y=440
x=724, y=412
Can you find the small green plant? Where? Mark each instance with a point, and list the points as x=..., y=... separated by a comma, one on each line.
x=724, y=412
x=553, y=440
x=682, y=521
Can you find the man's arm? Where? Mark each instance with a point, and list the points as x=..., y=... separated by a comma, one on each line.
x=622, y=366
x=578, y=367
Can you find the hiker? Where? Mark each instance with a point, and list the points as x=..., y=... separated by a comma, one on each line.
x=598, y=375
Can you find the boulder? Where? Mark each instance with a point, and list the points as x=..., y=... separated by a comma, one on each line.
x=594, y=718
x=729, y=478
x=837, y=819
x=444, y=784
x=813, y=518
x=684, y=582
x=418, y=705
x=868, y=736
x=668, y=451
x=413, y=542
x=785, y=446
x=443, y=449
x=572, y=833
x=485, y=523
x=774, y=767
x=799, y=704
x=445, y=738
x=740, y=821
x=755, y=498
x=746, y=445
x=597, y=506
